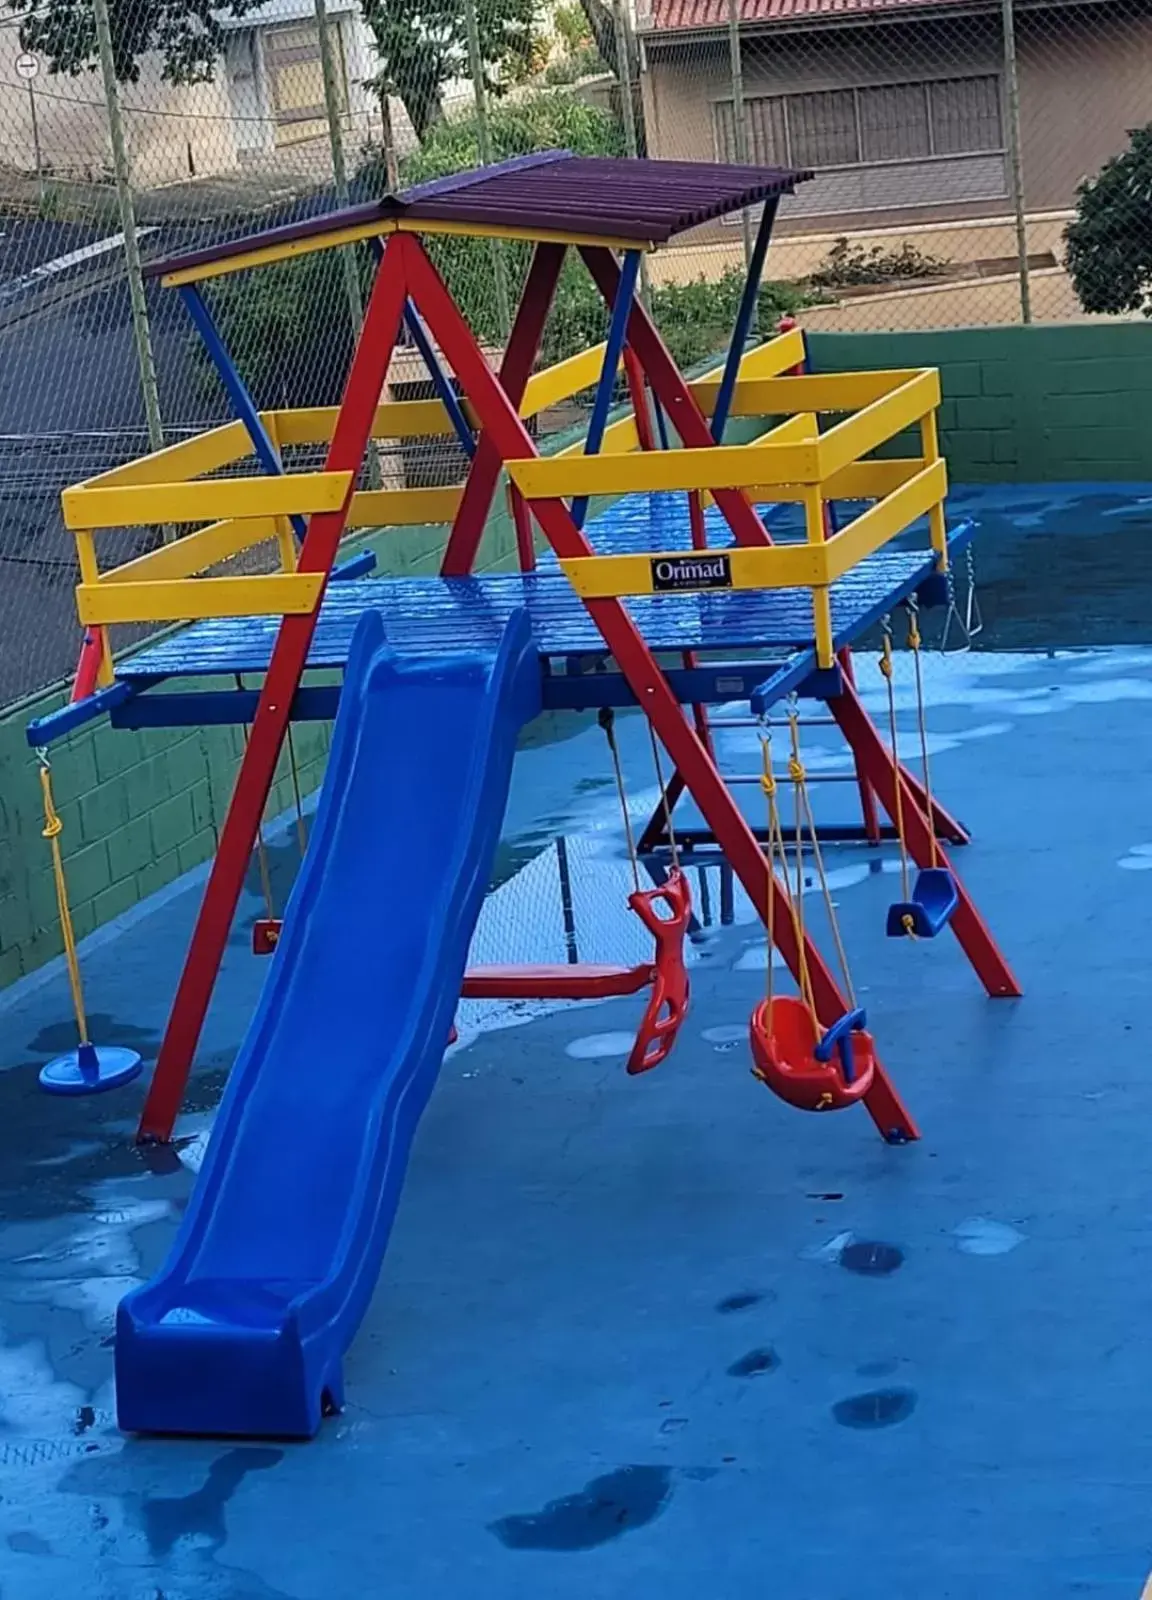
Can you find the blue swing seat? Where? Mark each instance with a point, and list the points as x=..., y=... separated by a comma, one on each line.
x=934, y=899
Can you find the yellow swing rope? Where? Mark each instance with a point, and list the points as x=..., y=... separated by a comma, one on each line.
x=608, y=723
x=897, y=779
x=914, y=643
x=261, y=848
x=804, y=801
x=301, y=828
x=777, y=850
x=53, y=828
x=673, y=849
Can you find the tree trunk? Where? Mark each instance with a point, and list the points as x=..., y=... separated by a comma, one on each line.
x=603, y=25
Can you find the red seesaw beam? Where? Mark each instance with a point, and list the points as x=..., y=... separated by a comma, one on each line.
x=513, y=442
x=350, y=437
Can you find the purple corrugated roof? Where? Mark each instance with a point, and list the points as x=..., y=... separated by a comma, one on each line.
x=552, y=191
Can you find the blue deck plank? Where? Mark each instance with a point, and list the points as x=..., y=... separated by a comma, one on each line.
x=425, y=616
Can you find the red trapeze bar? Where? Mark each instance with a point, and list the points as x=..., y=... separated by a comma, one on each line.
x=967, y=924
x=638, y=665
x=290, y=652
x=515, y=370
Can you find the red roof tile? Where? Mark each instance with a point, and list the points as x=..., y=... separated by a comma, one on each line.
x=673, y=15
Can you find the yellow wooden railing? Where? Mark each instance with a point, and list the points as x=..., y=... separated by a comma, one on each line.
x=794, y=460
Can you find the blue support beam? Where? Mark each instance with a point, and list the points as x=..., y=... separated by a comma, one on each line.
x=43, y=731
x=613, y=350
x=441, y=382
x=744, y=319
x=242, y=402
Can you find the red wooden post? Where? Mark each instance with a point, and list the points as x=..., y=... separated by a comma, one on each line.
x=515, y=370
x=522, y=522
x=638, y=393
x=226, y=881
x=882, y=774
x=673, y=393
x=88, y=666
x=513, y=442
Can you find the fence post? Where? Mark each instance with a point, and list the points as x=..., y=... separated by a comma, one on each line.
x=624, y=57
x=740, y=133
x=483, y=139
x=339, y=168
x=141, y=331
x=1016, y=166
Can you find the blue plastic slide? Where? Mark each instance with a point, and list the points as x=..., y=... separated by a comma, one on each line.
x=244, y=1329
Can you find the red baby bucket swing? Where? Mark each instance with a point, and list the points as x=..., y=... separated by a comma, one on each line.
x=811, y=1067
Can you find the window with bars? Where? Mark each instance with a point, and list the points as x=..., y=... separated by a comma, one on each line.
x=862, y=127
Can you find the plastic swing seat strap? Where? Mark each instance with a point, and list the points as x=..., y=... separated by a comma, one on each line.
x=810, y=1070
x=927, y=904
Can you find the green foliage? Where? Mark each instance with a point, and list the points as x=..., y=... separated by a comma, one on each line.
x=848, y=264
x=187, y=33
x=423, y=44
x=586, y=62
x=572, y=26
x=1109, y=254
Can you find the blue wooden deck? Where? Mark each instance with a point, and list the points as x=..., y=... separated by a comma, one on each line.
x=425, y=616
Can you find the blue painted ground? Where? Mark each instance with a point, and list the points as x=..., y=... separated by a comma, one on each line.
x=665, y=1338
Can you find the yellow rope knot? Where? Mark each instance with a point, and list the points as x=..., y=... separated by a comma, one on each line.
x=768, y=783
x=796, y=770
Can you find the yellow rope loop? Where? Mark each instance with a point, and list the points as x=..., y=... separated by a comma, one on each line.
x=922, y=724
x=52, y=829
x=908, y=923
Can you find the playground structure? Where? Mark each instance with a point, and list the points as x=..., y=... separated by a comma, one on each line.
x=244, y=1330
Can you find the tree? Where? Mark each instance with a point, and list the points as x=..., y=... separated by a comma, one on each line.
x=1109, y=255
x=187, y=33
x=423, y=44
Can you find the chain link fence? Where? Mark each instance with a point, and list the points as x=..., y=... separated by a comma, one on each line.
x=976, y=165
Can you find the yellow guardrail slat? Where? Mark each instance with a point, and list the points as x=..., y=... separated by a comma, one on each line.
x=207, y=452
x=206, y=500
x=833, y=391
x=195, y=552
x=190, y=599
x=403, y=508
x=781, y=566
x=883, y=521
x=715, y=467
x=878, y=422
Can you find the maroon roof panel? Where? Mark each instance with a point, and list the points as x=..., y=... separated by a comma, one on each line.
x=552, y=191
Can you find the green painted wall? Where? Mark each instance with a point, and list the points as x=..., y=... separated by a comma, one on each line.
x=1025, y=405
x=139, y=809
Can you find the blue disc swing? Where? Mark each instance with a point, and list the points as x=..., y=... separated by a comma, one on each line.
x=926, y=905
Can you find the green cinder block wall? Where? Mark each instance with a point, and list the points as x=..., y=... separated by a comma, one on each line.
x=1046, y=403
x=140, y=809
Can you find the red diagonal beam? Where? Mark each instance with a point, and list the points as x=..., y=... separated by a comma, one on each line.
x=672, y=391
x=515, y=370
x=366, y=378
x=881, y=772
x=513, y=442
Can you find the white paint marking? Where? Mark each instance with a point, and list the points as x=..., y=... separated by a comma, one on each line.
x=981, y=1236
x=600, y=1046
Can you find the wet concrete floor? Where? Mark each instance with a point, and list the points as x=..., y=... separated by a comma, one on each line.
x=665, y=1337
